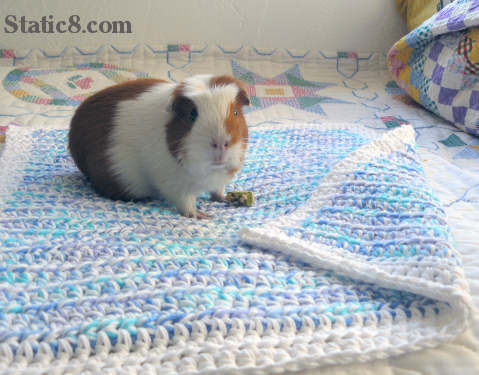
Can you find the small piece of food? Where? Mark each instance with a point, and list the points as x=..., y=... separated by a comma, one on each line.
x=241, y=198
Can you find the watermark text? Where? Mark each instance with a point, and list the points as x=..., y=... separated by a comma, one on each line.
x=73, y=25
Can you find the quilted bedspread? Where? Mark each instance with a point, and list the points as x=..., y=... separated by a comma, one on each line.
x=359, y=245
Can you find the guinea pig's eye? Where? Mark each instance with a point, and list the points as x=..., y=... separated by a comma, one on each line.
x=235, y=113
x=193, y=114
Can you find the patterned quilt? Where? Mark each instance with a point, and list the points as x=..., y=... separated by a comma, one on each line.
x=416, y=12
x=437, y=64
x=351, y=251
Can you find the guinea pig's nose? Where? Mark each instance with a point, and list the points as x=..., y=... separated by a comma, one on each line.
x=219, y=150
x=219, y=145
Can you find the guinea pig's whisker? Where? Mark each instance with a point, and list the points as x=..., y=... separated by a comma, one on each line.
x=175, y=143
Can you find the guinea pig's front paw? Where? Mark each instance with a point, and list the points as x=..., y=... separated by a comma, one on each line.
x=186, y=205
x=218, y=196
x=198, y=215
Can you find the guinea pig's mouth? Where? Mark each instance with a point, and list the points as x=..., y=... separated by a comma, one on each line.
x=218, y=165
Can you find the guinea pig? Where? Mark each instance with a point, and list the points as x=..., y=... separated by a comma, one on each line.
x=150, y=138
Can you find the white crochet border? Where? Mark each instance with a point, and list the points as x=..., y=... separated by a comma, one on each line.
x=255, y=350
x=383, y=273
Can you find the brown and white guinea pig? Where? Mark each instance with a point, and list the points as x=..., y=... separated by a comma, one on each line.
x=148, y=138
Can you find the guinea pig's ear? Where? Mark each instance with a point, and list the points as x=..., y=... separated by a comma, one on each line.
x=185, y=109
x=242, y=97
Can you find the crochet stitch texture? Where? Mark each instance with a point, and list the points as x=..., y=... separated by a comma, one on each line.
x=346, y=255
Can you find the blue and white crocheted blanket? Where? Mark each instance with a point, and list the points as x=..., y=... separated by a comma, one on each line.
x=345, y=256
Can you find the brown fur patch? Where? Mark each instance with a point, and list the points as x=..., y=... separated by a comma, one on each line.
x=233, y=171
x=235, y=124
x=179, y=126
x=242, y=97
x=224, y=80
x=90, y=129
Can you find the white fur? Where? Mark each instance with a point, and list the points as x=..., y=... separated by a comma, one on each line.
x=139, y=151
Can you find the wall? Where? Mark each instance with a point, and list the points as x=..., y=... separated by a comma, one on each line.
x=327, y=25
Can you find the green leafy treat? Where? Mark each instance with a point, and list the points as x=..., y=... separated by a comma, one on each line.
x=241, y=198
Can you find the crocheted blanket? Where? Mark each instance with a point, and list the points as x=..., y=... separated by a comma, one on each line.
x=345, y=256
